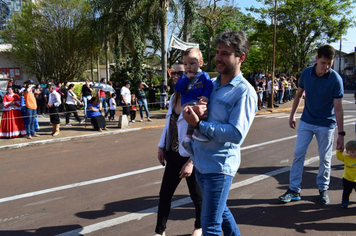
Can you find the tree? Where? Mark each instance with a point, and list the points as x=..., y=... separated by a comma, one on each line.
x=306, y=24
x=51, y=38
x=214, y=19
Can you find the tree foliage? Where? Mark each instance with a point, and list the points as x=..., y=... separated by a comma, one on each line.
x=302, y=26
x=214, y=19
x=51, y=38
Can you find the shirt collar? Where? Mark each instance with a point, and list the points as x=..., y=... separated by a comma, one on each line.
x=313, y=72
x=234, y=82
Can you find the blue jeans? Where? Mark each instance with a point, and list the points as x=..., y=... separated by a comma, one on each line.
x=104, y=104
x=143, y=101
x=280, y=95
x=85, y=103
x=163, y=101
x=30, y=127
x=215, y=215
x=325, y=138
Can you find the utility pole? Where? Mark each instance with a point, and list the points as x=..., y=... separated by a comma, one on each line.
x=274, y=52
x=340, y=56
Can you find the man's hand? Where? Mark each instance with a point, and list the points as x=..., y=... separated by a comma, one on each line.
x=340, y=143
x=201, y=109
x=292, y=122
x=190, y=116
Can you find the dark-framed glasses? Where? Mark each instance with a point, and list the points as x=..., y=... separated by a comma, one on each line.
x=179, y=73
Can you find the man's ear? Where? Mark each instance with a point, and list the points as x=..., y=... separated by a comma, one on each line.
x=243, y=57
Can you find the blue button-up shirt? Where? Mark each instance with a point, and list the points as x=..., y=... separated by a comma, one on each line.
x=232, y=108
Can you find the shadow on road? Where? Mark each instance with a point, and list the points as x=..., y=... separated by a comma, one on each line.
x=45, y=231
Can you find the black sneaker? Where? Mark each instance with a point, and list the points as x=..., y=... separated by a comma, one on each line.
x=290, y=196
x=344, y=204
x=323, y=197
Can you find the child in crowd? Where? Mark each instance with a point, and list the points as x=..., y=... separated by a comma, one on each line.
x=349, y=176
x=194, y=85
x=112, y=106
x=133, y=108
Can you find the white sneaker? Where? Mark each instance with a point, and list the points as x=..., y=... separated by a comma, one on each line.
x=133, y=121
x=69, y=124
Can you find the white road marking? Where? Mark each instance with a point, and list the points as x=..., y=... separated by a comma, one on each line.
x=349, y=120
x=44, y=201
x=138, y=215
x=49, y=190
x=31, y=194
x=346, y=101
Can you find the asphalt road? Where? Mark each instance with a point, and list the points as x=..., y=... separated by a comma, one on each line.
x=109, y=185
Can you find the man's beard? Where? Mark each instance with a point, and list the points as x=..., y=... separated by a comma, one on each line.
x=230, y=69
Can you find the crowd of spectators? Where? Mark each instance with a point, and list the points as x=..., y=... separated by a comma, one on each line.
x=284, y=89
x=23, y=104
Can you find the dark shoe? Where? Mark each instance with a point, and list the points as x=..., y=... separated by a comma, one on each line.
x=344, y=204
x=323, y=197
x=290, y=196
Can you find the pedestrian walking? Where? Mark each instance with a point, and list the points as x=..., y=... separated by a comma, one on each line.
x=232, y=107
x=323, y=89
x=177, y=163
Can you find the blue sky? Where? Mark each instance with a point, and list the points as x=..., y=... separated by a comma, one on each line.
x=348, y=42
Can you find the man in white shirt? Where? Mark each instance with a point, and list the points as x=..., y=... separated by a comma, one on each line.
x=126, y=98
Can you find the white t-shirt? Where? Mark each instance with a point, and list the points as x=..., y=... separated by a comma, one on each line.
x=112, y=101
x=125, y=92
x=70, y=100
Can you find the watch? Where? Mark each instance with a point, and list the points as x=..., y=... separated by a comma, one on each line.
x=197, y=126
x=343, y=133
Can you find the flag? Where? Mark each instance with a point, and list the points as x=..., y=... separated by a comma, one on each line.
x=179, y=44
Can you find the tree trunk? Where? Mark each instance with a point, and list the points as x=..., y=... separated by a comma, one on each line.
x=91, y=68
x=106, y=61
x=210, y=64
x=98, y=69
x=164, y=52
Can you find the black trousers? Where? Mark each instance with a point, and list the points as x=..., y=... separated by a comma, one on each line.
x=70, y=108
x=98, y=122
x=126, y=109
x=169, y=184
x=132, y=115
x=54, y=116
x=348, y=186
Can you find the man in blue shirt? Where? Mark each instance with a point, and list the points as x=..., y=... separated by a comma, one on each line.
x=232, y=107
x=322, y=112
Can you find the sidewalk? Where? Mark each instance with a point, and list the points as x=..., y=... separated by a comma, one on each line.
x=80, y=131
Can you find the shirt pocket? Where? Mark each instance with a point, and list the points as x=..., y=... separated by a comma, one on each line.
x=219, y=111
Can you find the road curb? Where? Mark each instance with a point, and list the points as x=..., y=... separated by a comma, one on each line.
x=269, y=111
x=55, y=140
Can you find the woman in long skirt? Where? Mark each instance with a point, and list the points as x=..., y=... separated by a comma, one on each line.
x=12, y=124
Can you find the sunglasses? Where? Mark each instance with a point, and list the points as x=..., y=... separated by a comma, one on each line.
x=179, y=73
